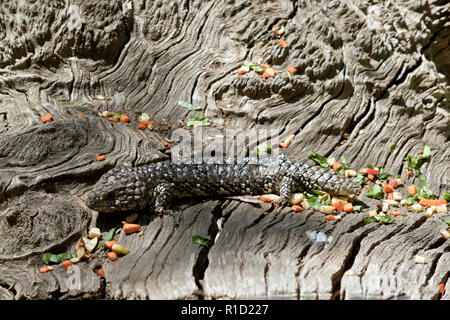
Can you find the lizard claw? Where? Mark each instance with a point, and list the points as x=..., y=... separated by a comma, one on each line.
x=163, y=211
x=283, y=202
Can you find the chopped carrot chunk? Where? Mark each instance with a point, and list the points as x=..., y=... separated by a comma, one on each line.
x=412, y=189
x=336, y=166
x=100, y=158
x=43, y=269
x=265, y=199
x=348, y=207
x=330, y=217
x=338, y=205
x=112, y=255
x=47, y=118
x=390, y=196
x=441, y=288
x=165, y=144
x=283, y=145
x=283, y=43
x=124, y=118
x=269, y=72
x=113, y=119
x=66, y=264
x=101, y=273
x=291, y=69
x=430, y=202
x=131, y=228
x=296, y=208
x=395, y=213
x=388, y=188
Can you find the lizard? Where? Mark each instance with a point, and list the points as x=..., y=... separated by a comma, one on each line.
x=159, y=184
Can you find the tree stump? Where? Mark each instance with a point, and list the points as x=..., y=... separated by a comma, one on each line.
x=371, y=84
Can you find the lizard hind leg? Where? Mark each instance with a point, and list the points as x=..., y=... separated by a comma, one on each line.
x=163, y=195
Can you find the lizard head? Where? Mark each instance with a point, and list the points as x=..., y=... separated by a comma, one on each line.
x=120, y=189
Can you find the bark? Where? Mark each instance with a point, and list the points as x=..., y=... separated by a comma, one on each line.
x=369, y=75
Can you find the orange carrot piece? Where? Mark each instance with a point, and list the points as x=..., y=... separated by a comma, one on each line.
x=265, y=199
x=66, y=264
x=109, y=244
x=81, y=116
x=412, y=189
x=283, y=145
x=390, y=196
x=47, y=117
x=283, y=43
x=165, y=144
x=370, y=176
x=112, y=255
x=409, y=173
x=87, y=256
x=43, y=269
x=130, y=227
x=395, y=213
x=388, y=188
x=241, y=72
x=269, y=72
x=430, y=202
x=336, y=166
x=330, y=217
x=296, y=208
x=441, y=288
x=113, y=119
x=124, y=118
x=292, y=69
x=338, y=205
x=348, y=207
x=100, y=158
x=101, y=273
x=142, y=126
x=146, y=123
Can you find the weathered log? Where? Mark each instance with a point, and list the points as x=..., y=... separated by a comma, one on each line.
x=369, y=76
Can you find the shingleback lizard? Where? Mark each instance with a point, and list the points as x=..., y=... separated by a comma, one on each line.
x=158, y=184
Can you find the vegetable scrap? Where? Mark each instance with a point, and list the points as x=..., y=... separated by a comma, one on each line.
x=57, y=258
x=113, y=119
x=380, y=219
x=100, y=158
x=112, y=256
x=165, y=144
x=101, y=273
x=291, y=69
x=203, y=241
x=441, y=288
x=253, y=66
x=283, y=43
x=269, y=73
x=120, y=250
x=189, y=106
x=124, y=118
x=260, y=149
x=130, y=228
x=66, y=264
x=110, y=243
x=199, y=121
x=48, y=117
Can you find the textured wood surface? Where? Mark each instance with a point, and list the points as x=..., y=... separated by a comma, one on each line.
x=369, y=75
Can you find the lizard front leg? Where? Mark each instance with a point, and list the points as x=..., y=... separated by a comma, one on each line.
x=286, y=185
x=163, y=195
